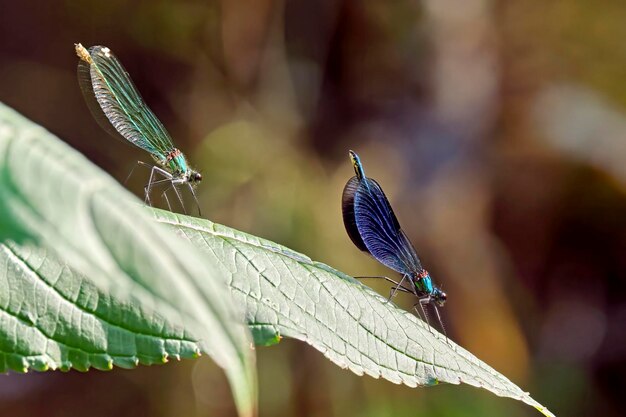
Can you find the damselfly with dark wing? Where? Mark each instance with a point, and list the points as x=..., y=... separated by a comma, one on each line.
x=374, y=228
x=120, y=110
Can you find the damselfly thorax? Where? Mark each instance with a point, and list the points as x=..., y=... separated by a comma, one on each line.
x=176, y=163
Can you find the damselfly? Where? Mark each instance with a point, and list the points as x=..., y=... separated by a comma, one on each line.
x=121, y=111
x=374, y=228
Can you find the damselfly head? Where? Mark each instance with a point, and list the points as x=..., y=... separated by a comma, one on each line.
x=439, y=297
x=195, y=176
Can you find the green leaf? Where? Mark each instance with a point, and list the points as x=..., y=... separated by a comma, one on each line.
x=144, y=292
x=53, y=199
x=54, y=317
x=287, y=294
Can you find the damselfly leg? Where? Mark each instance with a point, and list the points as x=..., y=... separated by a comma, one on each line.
x=443, y=328
x=423, y=303
x=177, y=192
x=381, y=277
x=164, y=193
x=394, y=290
x=193, y=193
x=397, y=287
x=166, y=177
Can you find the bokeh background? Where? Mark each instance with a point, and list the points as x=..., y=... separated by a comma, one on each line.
x=497, y=129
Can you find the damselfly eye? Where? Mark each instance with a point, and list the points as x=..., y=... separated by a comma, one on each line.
x=197, y=177
x=441, y=298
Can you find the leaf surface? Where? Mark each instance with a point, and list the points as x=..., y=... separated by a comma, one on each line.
x=55, y=200
x=286, y=294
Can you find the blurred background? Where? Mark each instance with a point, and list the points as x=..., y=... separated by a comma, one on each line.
x=497, y=129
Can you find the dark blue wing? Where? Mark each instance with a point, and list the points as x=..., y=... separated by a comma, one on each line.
x=347, y=208
x=380, y=231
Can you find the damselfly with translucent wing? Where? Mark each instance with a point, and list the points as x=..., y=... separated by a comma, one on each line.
x=120, y=110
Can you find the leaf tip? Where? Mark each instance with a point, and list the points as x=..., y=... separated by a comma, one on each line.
x=543, y=410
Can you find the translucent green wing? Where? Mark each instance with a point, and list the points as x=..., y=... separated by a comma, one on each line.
x=116, y=104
